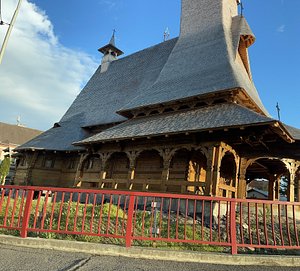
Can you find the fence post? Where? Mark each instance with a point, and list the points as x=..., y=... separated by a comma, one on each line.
x=26, y=214
x=233, y=227
x=128, y=237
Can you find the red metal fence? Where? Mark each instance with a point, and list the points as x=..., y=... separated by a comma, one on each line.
x=138, y=216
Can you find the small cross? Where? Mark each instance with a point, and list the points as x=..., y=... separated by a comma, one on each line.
x=278, y=110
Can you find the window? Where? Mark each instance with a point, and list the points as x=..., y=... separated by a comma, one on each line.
x=22, y=162
x=49, y=163
x=243, y=53
x=89, y=163
x=71, y=164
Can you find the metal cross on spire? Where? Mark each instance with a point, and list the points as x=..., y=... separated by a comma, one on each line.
x=166, y=34
x=278, y=111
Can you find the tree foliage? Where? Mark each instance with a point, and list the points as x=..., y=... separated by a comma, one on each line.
x=284, y=183
x=4, y=169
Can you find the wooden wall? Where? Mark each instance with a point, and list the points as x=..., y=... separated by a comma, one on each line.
x=149, y=167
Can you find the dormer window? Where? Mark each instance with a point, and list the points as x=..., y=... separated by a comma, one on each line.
x=49, y=163
x=243, y=38
x=243, y=52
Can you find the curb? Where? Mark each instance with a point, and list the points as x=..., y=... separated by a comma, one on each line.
x=151, y=253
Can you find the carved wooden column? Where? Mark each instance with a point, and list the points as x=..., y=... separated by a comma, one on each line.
x=291, y=186
x=132, y=156
x=298, y=184
x=104, y=156
x=242, y=183
x=298, y=188
x=272, y=186
x=216, y=171
x=78, y=176
x=209, y=172
x=167, y=155
x=277, y=187
x=32, y=159
x=165, y=175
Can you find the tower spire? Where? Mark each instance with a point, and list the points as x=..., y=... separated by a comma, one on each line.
x=111, y=47
x=110, y=53
x=112, y=39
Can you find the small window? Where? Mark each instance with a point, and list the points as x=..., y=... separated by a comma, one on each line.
x=243, y=53
x=89, y=163
x=168, y=110
x=183, y=107
x=201, y=104
x=154, y=112
x=49, y=163
x=23, y=162
x=71, y=164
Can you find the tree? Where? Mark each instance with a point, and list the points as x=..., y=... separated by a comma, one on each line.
x=284, y=184
x=4, y=169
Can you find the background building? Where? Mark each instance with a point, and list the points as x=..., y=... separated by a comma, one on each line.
x=12, y=136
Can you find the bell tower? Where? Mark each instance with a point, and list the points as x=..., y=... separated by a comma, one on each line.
x=110, y=53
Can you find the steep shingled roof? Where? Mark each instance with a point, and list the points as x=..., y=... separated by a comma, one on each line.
x=211, y=117
x=203, y=60
x=126, y=78
x=295, y=132
x=103, y=95
x=58, y=138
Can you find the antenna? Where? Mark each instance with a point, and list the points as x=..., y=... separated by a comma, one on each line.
x=18, y=120
x=166, y=34
x=278, y=110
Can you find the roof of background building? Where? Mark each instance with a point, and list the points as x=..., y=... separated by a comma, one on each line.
x=15, y=134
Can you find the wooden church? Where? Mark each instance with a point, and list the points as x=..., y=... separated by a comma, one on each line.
x=183, y=116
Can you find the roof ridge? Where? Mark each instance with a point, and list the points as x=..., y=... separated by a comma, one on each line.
x=143, y=50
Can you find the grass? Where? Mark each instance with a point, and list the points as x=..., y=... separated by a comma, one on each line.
x=94, y=221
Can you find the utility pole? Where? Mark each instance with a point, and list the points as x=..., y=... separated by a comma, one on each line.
x=13, y=20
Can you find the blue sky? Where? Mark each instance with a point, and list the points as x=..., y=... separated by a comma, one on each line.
x=70, y=32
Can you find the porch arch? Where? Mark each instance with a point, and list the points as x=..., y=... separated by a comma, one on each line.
x=187, y=171
x=228, y=175
x=148, y=171
x=89, y=171
x=271, y=171
x=116, y=169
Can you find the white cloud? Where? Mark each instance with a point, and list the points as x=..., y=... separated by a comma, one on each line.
x=39, y=77
x=109, y=3
x=281, y=28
